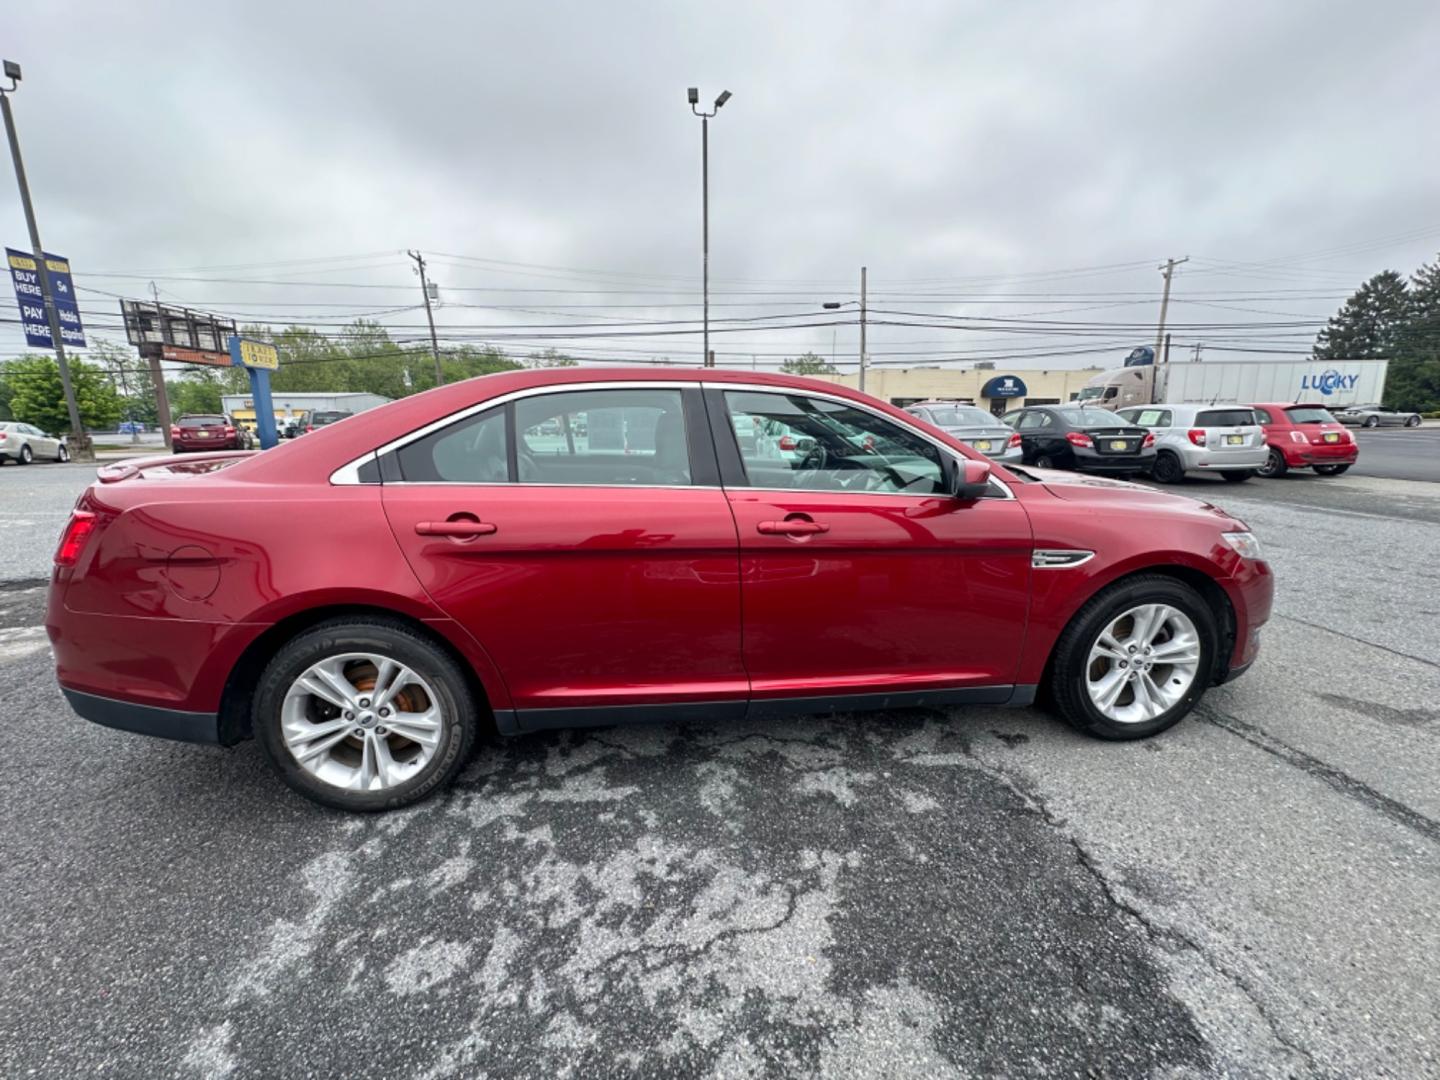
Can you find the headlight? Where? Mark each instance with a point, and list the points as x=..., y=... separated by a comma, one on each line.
x=1244, y=544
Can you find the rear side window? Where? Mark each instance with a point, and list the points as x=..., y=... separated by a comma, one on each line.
x=470, y=451
x=624, y=437
x=1225, y=418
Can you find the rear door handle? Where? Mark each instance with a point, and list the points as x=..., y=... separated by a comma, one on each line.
x=455, y=528
x=791, y=528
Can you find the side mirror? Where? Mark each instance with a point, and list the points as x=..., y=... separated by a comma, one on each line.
x=968, y=480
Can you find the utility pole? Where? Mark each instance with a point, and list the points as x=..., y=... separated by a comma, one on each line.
x=157, y=375
x=80, y=442
x=1169, y=271
x=861, y=386
x=1198, y=346
x=429, y=315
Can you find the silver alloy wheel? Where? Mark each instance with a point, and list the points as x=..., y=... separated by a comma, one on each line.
x=1143, y=663
x=361, y=721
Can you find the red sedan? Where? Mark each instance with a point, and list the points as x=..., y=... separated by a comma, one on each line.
x=205, y=432
x=1305, y=437
x=555, y=548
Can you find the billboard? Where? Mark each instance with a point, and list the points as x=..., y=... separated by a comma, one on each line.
x=25, y=274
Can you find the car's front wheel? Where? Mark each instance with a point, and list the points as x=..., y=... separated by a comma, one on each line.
x=364, y=714
x=1135, y=659
x=1274, y=465
x=1372, y=421
x=63, y=454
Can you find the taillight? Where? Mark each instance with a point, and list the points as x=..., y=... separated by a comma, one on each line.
x=1013, y=441
x=1197, y=436
x=1078, y=438
x=1298, y=436
x=229, y=431
x=1148, y=441
x=787, y=442
x=174, y=432
x=72, y=542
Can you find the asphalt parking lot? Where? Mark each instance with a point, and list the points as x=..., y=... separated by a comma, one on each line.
x=924, y=893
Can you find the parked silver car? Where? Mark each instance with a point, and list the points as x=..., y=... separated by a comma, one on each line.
x=1202, y=438
x=24, y=443
x=971, y=425
x=1375, y=416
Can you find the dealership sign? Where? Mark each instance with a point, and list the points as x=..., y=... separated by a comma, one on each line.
x=1004, y=386
x=1328, y=382
x=30, y=295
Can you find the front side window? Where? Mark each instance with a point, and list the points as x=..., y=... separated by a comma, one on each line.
x=822, y=445
x=620, y=437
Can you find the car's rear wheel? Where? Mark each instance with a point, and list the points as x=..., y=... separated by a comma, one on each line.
x=1045, y=461
x=1237, y=476
x=364, y=714
x=1372, y=421
x=1331, y=470
x=1274, y=465
x=26, y=454
x=1412, y=421
x=1135, y=659
x=1167, y=469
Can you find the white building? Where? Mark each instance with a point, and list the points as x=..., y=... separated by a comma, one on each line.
x=299, y=405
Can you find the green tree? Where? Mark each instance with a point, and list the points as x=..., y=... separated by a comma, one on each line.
x=807, y=364
x=38, y=397
x=189, y=396
x=1371, y=323
x=550, y=358
x=1413, y=378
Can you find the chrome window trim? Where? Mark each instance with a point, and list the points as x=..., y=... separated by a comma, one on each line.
x=349, y=472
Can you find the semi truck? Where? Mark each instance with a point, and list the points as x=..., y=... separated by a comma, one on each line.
x=1321, y=382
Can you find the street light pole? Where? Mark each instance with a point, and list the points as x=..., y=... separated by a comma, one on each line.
x=80, y=450
x=708, y=360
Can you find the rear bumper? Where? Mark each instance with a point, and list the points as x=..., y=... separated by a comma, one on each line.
x=145, y=719
x=181, y=446
x=1298, y=456
x=1198, y=459
x=1090, y=461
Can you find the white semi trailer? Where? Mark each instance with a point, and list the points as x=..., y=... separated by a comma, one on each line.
x=1329, y=382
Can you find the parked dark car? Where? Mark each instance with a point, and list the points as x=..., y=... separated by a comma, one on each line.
x=325, y=419
x=1082, y=437
x=208, y=431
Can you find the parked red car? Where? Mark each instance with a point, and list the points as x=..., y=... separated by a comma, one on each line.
x=552, y=548
x=206, y=432
x=1305, y=437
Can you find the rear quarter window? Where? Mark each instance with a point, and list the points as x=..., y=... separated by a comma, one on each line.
x=1225, y=417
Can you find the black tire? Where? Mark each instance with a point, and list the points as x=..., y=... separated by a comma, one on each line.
x=1274, y=466
x=1413, y=421
x=1072, y=652
x=1045, y=461
x=1168, y=469
x=1372, y=421
x=63, y=454
x=1237, y=476
x=388, y=638
x=26, y=455
x=1331, y=470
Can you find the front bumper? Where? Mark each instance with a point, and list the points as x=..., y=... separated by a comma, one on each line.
x=145, y=719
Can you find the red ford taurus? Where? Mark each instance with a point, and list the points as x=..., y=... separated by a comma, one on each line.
x=542, y=549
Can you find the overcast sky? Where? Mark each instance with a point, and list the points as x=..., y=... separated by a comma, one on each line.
x=961, y=151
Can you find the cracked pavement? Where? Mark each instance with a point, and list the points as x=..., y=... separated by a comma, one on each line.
x=969, y=892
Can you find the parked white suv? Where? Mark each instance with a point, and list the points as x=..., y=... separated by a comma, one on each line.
x=1202, y=438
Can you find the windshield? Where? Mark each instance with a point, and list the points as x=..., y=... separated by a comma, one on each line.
x=1090, y=393
x=962, y=416
x=1225, y=418
x=1309, y=414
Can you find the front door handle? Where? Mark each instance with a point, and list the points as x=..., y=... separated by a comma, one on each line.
x=455, y=528
x=791, y=528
